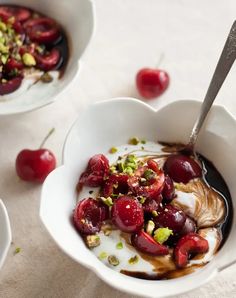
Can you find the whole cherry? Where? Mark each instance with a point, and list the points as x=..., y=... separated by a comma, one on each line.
x=35, y=165
x=152, y=83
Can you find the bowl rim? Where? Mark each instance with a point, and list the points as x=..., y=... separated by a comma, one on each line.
x=211, y=268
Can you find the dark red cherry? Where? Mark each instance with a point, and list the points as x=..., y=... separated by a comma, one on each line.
x=152, y=83
x=115, y=184
x=147, y=181
x=187, y=245
x=170, y=217
x=35, y=165
x=127, y=214
x=88, y=216
x=42, y=30
x=48, y=61
x=145, y=243
x=182, y=168
x=13, y=65
x=21, y=14
x=168, y=191
x=189, y=227
x=97, y=170
x=151, y=205
x=10, y=86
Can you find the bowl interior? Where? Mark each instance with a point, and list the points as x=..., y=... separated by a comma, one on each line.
x=5, y=233
x=77, y=19
x=112, y=123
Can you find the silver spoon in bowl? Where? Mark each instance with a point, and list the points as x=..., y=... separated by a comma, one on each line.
x=223, y=67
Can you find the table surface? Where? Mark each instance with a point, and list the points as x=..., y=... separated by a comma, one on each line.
x=130, y=34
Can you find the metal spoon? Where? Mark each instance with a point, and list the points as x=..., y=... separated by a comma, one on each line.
x=223, y=67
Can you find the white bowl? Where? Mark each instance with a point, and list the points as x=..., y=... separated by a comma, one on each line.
x=112, y=123
x=5, y=233
x=78, y=20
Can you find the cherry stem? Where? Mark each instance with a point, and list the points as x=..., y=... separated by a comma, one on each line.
x=160, y=60
x=47, y=136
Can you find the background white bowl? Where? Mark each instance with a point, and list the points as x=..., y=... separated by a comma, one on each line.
x=112, y=123
x=5, y=233
x=77, y=18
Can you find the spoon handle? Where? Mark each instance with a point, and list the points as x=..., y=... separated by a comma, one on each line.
x=223, y=67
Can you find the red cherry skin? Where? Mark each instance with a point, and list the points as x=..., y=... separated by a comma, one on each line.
x=88, y=216
x=42, y=30
x=115, y=184
x=168, y=191
x=145, y=243
x=151, y=205
x=35, y=165
x=188, y=244
x=10, y=86
x=48, y=61
x=21, y=14
x=152, y=83
x=127, y=214
x=170, y=217
x=97, y=170
x=182, y=168
x=13, y=64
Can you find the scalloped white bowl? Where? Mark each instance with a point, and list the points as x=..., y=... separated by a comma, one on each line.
x=77, y=17
x=5, y=233
x=112, y=123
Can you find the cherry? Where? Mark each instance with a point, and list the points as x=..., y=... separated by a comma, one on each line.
x=12, y=65
x=49, y=60
x=115, y=184
x=127, y=214
x=10, y=86
x=170, y=217
x=168, y=192
x=145, y=243
x=42, y=30
x=182, y=168
x=152, y=83
x=35, y=165
x=189, y=227
x=88, y=216
x=151, y=205
x=21, y=14
x=153, y=178
x=97, y=170
x=188, y=244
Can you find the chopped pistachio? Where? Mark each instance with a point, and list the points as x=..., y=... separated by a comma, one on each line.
x=3, y=27
x=133, y=260
x=107, y=232
x=119, y=245
x=143, y=142
x=4, y=58
x=40, y=49
x=149, y=174
x=102, y=255
x=142, y=148
x=113, y=260
x=134, y=141
x=161, y=235
x=128, y=171
x=113, y=150
x=107, y=201
x=113, y=169
x=150, y=227
x=154, y=213
x=17, y=250
x=4, y=49
x=28, y=59
x=142, y=200
x=92, y=240
x=121, y=167
x=46, y=78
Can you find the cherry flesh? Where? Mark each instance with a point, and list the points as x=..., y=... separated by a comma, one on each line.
x=188, y=244
x=88, y=216
x=152, y=83
x=170, y=217
x=182, y=168
x=127, y=214
x=35, y=165
x=146, y=244
x=115, y=184
x=97, y=170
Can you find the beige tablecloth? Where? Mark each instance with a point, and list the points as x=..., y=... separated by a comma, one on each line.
x=130, y=34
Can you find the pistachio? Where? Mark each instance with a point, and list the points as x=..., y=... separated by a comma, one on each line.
x=150, y=227
x=92, y=240
x=28, y=59
x=133, y=260
x=46, y=78
x=113, y=260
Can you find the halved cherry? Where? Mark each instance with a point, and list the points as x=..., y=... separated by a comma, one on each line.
x=13, y=64
x=187, y=245
x=10, y=86
x=48, y=61
x=21, y=14
x=168, y=191
x=97, y=170
x=151, y=205
x=115, y=184
x=42, y=30
x=127, y=214
x=182, y=168
x=145, y=243
x=147, y=181
x=88, y=216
